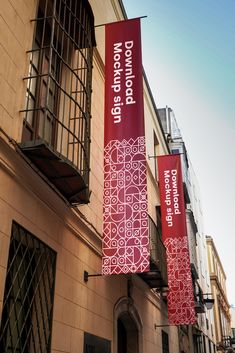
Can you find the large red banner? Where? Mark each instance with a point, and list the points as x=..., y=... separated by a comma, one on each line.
x=181, y=307
x=125, y=229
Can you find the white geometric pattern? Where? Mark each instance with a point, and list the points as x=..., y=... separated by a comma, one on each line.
x=125, y=230
x=180, y=297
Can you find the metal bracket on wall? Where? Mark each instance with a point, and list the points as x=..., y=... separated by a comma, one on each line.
x=86, y=275
x=165, y=325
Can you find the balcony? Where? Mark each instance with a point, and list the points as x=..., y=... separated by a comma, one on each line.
x=199, y=307
x=227, y=344
x=68, y=179
x=198, y=300
x=56, y=129
x=157, y=276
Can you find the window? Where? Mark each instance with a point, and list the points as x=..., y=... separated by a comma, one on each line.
x=58, y=98
x=29, y=294
x=95, y=344
x=165, y=342
x=175, y=151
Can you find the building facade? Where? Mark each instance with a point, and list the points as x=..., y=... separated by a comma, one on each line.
x=52, y=295
x=200, y=337
x=221, y=307
x=232, y=313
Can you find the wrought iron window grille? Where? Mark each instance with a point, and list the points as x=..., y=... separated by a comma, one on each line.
x=58, y=99
x=29, y=294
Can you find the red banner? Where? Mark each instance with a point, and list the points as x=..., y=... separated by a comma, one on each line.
x=125, y=230
x=181, y=307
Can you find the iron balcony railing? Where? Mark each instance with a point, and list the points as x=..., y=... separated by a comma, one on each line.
x=157, y=276
x=198, y=299
x=157, y=249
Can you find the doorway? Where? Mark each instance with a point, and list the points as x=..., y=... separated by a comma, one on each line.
x=128, y=340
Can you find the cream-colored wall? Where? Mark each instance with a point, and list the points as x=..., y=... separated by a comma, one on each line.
x=153, y=315
x=16, y=32
x=152, y=126
x=15, y=38
x=78, y=306
x=218, y=287
x=105, y=12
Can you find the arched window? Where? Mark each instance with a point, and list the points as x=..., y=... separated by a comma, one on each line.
x=58, y=97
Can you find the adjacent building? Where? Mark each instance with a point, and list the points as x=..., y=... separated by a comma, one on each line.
x=221, y=308
x=232, y=313
x=201, y=336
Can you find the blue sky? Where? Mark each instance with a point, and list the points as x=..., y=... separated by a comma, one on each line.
x=188, y=49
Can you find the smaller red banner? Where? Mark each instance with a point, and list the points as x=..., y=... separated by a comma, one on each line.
x=181, y=307
x=172, y=196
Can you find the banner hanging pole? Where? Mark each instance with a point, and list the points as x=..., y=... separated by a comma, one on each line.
x=108, y=23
